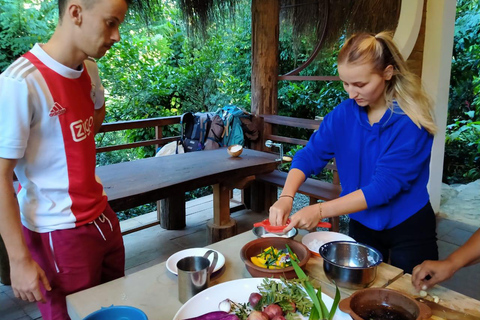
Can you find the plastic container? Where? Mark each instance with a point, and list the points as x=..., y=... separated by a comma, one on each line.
x=117, y=313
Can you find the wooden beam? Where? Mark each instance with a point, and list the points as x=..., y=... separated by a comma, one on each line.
x=265, y=56
x=137, y=124
x=291, y=121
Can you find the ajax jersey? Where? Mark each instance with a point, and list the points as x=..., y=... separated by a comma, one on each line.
x=47, y=121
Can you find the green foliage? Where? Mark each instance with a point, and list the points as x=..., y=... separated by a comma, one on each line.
x=462, y=151
x=22, y=24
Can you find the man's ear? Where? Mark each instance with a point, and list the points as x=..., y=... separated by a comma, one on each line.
x=74, y=12
x=388, y=72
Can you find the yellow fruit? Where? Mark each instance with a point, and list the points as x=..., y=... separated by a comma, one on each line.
x=257, y=263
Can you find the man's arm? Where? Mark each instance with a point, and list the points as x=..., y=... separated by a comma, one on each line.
x=26, y=275
x=429, y=273
x=98, y=117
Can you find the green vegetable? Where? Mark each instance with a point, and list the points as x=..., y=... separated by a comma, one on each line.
x=320, y=311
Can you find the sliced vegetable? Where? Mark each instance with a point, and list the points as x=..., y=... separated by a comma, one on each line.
x=272, y=258
x=215, y=315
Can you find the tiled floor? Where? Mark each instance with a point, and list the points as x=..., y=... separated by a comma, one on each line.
x=153, y=245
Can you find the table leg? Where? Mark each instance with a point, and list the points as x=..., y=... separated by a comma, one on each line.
x=171, y=212
x=4, y=264
x=222, y=226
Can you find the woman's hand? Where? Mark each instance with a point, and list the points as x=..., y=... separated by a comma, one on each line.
x=279, y=212
x=430, y=272
x=306, y=218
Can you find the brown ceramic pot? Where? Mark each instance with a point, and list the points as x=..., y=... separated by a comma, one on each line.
x=384, y=304
x=255, y=247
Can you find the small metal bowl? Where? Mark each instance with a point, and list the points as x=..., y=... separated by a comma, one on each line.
x=260, y=232
x=350, y=264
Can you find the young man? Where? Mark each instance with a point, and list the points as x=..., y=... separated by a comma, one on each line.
x=51, y=105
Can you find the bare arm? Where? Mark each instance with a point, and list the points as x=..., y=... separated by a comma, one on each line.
x=279, y=212
x=25, y=272
x=309, y=217
x=439, y=271
x=98, y=117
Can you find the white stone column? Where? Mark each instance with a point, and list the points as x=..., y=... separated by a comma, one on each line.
x=437, y=60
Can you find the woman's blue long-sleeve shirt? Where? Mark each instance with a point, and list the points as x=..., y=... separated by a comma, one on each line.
x=388, y=161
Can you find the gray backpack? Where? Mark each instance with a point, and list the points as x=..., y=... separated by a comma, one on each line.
x=202, y=130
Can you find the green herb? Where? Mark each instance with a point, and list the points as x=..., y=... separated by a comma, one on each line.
x=282, y=293
x=320, y=311
x=241, y=310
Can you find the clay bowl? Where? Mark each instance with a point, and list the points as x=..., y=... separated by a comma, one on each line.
x=235, y=150
x=255, y=247
x=383, y=304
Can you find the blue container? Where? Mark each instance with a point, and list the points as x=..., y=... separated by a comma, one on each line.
x=117, y=313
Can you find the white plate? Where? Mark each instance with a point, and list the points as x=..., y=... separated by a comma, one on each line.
x=236, y=290
x=314, y=240
x=174, y=258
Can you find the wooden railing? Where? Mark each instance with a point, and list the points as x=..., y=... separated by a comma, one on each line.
x=270, y=129
x=156, y=123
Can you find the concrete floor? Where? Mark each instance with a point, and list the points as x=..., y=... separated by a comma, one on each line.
x=153, y=245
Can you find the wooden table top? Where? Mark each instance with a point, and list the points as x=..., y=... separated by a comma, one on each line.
x=133, y=183
x=155, y=291
x=448, y=298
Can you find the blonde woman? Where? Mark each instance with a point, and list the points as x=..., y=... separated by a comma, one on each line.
x=381, y=138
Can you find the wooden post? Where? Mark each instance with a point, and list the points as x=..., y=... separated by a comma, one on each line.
x=265, y=56
x=171, y=212
x=265, y=61
x=158, y=135
x=221, y=226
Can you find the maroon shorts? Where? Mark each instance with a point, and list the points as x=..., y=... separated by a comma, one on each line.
x=76, y=259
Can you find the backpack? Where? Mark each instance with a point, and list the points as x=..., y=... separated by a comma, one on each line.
x=199, y=131
x=233, y=132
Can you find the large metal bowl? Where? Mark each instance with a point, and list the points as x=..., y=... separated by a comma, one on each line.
x=350, y=264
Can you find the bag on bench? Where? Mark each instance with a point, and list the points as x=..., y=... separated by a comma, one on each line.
x=202, y=130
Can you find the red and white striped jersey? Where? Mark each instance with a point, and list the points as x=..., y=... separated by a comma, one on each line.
x=46, y=122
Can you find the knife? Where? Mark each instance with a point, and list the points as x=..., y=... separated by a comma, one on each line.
x=446, y=313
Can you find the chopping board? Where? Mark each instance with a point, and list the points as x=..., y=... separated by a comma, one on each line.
x=448, y=298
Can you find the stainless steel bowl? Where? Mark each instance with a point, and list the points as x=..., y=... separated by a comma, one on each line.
x=350, y=264
x=262, y=233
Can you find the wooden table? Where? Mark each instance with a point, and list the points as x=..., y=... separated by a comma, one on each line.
x=133, y=183
x=448, y=298
x=154, y=290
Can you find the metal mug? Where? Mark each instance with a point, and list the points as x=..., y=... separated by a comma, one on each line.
x=194, y=274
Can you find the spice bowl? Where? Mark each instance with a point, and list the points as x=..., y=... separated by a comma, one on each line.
x=235, y=150
x=255, y=247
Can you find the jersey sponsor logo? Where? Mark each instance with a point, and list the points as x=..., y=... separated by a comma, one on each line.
x=57, y=110
x=81, y=129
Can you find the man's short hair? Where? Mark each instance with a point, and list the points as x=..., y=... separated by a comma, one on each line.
x=62, y=5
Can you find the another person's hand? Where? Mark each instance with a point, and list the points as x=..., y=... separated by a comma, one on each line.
x=26, y=277
x=279, y=212
x=429, y=273
x=306, y=218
